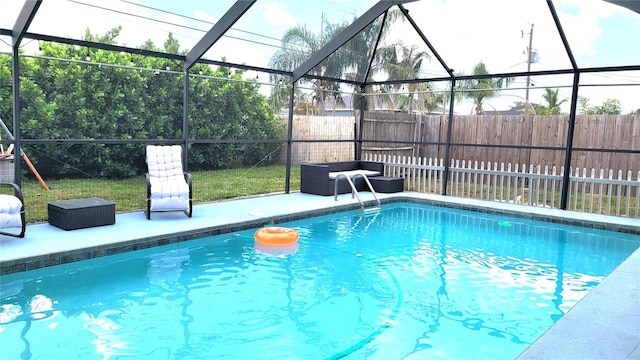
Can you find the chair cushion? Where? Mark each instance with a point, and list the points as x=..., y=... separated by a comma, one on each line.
x=351, y=174
x=171, y=193
x=164, y=161
x=10, y=207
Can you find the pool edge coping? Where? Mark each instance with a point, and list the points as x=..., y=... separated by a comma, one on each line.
x=602, y=222
x=545, y=346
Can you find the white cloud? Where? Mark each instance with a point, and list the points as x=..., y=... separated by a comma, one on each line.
x=276, y=14
x=69, y=19
x=496, y=32
x=203, y=16
x=463, y=32
x=581, y=26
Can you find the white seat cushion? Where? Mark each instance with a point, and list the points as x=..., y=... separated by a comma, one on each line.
x=170, y=193
x=164, y=161
x=10, y=207
x=352, y=173
x=169, y=189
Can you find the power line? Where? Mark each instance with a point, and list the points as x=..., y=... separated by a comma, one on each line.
x=196, y=19
x=185, y=26
x=135, y=15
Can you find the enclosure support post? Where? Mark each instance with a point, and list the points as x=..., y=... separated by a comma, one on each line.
x=447, y=153
x=564, y=194
x=15, y=69
x=185, y=120
x=360, y=134
x=287, y=181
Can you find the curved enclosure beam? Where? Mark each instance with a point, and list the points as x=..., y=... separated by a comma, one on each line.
x=352, y=30
x=23, y=21
x=633, y=5
x=220, y=28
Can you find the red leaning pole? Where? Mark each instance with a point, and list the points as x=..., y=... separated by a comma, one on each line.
x=24, y=156
x=35, y=172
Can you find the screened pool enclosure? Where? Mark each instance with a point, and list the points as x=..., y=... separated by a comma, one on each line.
x=530, y=102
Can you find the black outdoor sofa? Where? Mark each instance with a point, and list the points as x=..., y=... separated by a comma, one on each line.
x=320, y=179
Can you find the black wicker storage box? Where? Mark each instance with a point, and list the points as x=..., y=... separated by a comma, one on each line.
x=7, y=169
x=385, y=184
x=81, y=213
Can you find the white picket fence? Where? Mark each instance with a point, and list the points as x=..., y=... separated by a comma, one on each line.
x=589, y=191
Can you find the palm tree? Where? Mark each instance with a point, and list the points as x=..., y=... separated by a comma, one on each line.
x=349, y=61
x=298, y=43
x=481, y=89
x=360, y=49
x=401, y=62
x=553, y=105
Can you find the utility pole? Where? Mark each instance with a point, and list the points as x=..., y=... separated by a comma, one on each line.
x=529, y=61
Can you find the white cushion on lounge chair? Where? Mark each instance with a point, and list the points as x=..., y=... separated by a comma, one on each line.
x=352, y=173
x=168, y=187
x=164, y=161
x=10, y=208
x=169, y=193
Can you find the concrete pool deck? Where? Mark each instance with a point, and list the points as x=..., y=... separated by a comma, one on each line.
x=605, y=324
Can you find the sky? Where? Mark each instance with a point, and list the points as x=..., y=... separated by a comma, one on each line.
x=463, y=32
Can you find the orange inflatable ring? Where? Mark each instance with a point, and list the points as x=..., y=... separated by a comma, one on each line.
x=276, y=236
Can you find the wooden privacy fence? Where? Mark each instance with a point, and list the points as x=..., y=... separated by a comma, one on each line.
x=329, y=139
x=600, y=192
x=500, y=138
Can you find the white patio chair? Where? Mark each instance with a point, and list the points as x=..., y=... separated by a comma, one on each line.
x=168, y=185
x=12, y=211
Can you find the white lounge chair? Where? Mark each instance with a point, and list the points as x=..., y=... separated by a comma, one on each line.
x=12, y=211
x=168, y=185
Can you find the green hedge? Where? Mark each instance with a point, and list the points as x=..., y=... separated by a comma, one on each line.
x=63, y=99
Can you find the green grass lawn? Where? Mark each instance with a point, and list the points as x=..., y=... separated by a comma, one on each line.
x=208, y=186
x=129, y=194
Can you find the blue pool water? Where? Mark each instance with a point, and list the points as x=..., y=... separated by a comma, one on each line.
x=407, y=282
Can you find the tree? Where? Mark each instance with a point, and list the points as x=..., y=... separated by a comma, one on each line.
x=360, y=50
x=481, y=89
x=231, y=110
x=133, y=97
x=401, y=62
x=553, y=105
x=608, y=107
x=298, y=43
x=350, y=61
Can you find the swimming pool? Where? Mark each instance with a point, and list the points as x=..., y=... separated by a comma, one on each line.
x=408, y=281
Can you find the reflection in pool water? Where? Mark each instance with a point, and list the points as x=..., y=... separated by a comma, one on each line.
x=409, y=281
